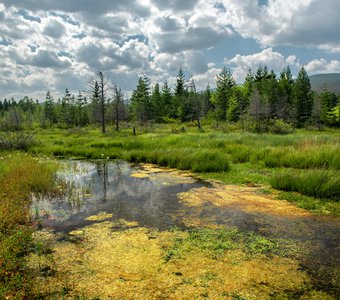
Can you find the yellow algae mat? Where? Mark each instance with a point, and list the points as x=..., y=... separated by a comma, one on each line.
x=209, y=261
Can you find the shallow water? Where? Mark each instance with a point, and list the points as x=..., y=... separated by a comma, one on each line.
x=157, y=198
x=125, y=191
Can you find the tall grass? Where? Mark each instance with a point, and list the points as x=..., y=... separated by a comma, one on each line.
x=316, y=183
x=20, y=175
x=217, y=153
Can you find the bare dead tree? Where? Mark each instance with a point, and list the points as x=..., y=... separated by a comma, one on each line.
x=100, y=87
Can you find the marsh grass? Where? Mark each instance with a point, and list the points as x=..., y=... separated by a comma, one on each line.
x=20, y=175
x=316, y=183
x=215, y=242
x=231, y=157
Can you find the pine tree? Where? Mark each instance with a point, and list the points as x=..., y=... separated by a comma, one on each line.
x=303, y=98
x=48, y=111
x=195, y=104
x=224, y=83
x=238, y=104
x=66, y=108
x=167, y=100
x=95, y=103
x=140, y=100
x=156, y=105
x=117, y=104
x=328, y=101
x=81, y=116
x=285, y=109
x=182, y=105
x=207, y=105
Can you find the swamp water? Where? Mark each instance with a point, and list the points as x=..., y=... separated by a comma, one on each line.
x=123, y=232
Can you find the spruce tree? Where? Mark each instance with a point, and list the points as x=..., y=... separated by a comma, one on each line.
x=224, y=83
x=48, y=111
x=181, y=103
x=167, y=101
x=140, y=100
x=156, y=105
x=285, y=109
x=117, y=104
x=303, y=98
x=95, y=103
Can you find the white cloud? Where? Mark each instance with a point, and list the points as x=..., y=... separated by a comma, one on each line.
x=240, y=64
x=48, y=44
x=300, y=22
x=323, y=66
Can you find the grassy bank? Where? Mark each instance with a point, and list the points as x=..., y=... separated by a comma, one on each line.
x=20, y=175
x=232, y=157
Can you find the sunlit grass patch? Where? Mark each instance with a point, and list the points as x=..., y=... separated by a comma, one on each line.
x=20, y=176
x=232, y=157
x=316, y=183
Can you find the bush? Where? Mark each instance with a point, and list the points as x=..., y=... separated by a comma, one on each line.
x=275, y=126
x=17, y=140
x=278, y=126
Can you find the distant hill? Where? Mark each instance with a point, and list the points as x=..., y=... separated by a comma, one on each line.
x=329, y=81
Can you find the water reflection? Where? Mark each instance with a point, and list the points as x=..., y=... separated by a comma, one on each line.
x=108, y=186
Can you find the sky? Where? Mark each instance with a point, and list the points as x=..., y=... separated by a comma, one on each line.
x=58, y=44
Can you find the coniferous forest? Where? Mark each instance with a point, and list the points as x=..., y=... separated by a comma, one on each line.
x=265, y=102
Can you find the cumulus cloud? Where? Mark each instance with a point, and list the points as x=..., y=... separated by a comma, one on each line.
x=241, y=64
x=54, y=29
x=48, y=59
x=190, y=39
x=300, y=22
x=323, y=66
x=48, y=44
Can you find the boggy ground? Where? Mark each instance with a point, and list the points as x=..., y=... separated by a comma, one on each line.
x=235, y=242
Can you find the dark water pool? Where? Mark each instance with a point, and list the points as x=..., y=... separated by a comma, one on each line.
x=117, y=188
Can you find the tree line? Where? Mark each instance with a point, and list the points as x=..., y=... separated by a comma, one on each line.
x=264, y=100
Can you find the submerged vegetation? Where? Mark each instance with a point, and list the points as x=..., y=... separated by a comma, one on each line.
x=141, y=263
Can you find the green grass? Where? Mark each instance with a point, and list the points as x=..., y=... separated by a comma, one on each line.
x=215, y=242
x=315, y=183
x=231, y=157
x=20, y=175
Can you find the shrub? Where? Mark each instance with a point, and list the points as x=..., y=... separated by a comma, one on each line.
x=278, y=126
x=17, y=140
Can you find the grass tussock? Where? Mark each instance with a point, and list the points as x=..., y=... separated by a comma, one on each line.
x=20, y=175
x=232, y=157
x=315, y=183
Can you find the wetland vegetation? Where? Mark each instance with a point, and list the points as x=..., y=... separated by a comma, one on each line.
x=225, y=194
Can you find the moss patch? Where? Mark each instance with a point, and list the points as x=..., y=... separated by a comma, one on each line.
x=133, y=264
